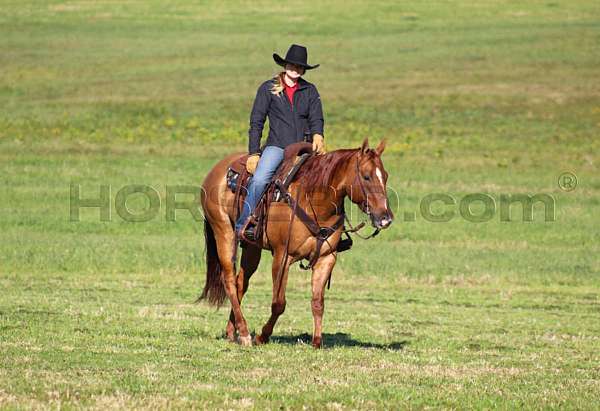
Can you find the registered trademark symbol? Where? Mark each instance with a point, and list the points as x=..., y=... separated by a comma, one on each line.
x=567, y=181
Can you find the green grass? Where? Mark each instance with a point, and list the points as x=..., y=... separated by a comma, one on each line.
x=487, y=97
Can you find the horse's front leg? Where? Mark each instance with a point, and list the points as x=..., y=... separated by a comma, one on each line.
x=278, y=301
x=248, y=265
x=321, y=272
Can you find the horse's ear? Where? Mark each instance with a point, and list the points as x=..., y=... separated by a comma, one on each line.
x=380, y=147
x=365, y=145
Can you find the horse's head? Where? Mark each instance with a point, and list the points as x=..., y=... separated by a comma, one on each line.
x=368, y=186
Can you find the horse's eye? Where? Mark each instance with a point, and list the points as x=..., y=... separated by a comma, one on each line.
x=367, y=178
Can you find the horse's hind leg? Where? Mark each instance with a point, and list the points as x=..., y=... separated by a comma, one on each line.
x=321, y=272
x=278, y=301
x=248, y=265
x=224, y=234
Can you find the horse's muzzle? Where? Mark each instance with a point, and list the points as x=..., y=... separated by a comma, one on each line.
x=383, y=221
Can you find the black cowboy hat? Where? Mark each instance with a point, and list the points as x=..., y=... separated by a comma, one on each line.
x=295, y=55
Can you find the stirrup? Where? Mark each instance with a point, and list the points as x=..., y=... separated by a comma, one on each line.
x=248, y=231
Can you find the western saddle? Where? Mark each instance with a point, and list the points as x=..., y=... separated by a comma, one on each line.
x=238, y=178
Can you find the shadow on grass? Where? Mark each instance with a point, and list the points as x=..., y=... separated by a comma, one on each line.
x=337, y=340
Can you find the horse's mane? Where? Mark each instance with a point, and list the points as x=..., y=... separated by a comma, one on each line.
x=319, y=171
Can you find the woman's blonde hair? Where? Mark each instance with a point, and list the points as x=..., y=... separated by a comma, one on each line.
x=277, y=86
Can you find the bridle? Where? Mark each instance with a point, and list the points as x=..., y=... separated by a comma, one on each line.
x=364, y=206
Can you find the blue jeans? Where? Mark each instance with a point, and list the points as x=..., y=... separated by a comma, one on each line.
x=270, y=159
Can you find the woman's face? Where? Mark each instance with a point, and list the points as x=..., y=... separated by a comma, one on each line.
x=293, y=71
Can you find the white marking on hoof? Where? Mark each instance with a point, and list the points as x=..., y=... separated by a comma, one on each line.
x=246, y=341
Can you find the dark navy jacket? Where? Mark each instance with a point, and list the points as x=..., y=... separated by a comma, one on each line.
x=287, y=125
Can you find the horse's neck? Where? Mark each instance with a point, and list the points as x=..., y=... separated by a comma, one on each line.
x=328, y=202
x=319, y=202
x=340, y=183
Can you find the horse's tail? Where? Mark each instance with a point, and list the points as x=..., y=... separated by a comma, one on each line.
x=214, y=291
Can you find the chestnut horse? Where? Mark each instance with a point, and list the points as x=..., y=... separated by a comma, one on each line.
x=355, y=173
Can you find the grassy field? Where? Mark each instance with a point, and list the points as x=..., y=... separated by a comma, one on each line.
x=485, y=97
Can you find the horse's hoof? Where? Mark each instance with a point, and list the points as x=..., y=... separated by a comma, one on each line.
x=246, y=341
x=260, y=340
x=316, y=343
x=230, y=334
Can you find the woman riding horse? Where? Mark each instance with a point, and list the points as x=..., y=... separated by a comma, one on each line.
x=293, y=107
x=306, y=226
